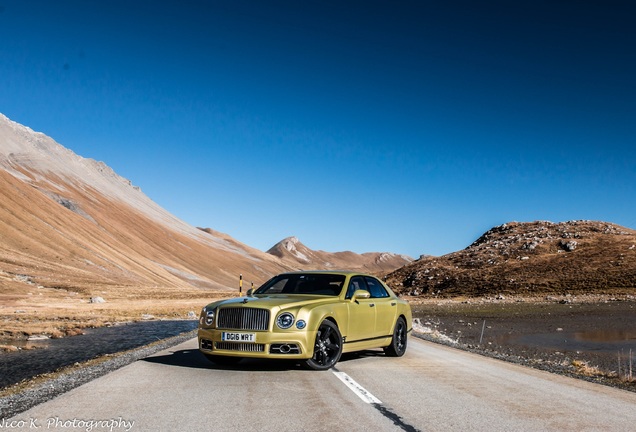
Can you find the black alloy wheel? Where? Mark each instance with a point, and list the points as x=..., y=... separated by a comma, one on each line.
x=398, y=342
x=327, y=348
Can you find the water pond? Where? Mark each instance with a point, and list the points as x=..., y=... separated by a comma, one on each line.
x=49, y=355
x=592, y=341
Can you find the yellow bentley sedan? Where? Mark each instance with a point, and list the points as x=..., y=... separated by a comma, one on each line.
x=313, y=316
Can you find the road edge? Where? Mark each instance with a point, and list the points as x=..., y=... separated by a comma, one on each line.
x=44, y=389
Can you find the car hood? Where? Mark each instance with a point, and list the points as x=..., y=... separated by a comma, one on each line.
x=275, y=301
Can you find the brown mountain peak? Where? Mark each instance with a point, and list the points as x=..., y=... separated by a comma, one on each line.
x=293, y=251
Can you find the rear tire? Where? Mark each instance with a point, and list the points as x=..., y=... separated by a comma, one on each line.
x=327, y=348
x=398, y=342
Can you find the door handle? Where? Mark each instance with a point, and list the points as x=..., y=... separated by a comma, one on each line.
x=393, y=303
x=372, y=305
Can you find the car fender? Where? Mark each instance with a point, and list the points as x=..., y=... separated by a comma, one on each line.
x=315, y=315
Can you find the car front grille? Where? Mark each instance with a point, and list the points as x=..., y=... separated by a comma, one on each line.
x=243, y=319
x=239, y=346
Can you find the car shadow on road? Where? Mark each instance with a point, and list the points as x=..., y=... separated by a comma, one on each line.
x=192, y=358
x=361, y=354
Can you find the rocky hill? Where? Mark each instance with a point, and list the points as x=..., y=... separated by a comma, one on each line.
x=73, y=224
x=529, y=259
x=294, y=253
x=71, y=229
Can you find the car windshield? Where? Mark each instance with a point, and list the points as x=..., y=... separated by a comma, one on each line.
x=314, y=284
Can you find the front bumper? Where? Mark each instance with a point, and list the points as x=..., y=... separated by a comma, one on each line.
x=271, y=345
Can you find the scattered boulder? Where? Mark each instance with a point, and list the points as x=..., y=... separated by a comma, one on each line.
x=97, y=300
x=569, y=246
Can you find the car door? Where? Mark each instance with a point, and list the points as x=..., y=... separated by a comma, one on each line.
x=385, y=307
x=361, y=324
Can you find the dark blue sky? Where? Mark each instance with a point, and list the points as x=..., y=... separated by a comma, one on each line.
x=409, y=127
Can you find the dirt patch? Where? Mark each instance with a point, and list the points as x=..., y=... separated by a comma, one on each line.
x=589, y=338
x=63, y=316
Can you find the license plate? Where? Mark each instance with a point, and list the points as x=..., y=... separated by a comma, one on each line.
x=238, y=337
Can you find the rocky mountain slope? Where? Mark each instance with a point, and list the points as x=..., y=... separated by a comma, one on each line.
x=528, y=259
x=71, y=225
x=293, y=252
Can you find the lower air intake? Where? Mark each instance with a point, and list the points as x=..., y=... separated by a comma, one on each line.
x=242, y=347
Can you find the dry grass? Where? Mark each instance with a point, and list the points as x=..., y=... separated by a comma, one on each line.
x=583, y=368
x=60, y=317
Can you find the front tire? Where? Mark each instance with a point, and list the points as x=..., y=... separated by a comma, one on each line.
x=398, y=342
x=327, y=348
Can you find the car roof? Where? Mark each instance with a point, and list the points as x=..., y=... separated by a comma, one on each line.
x=332, y=272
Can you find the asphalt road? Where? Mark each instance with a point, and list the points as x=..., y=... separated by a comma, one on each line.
x=431, y=388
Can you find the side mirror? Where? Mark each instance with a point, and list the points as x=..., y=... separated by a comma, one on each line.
x=360, y=294
x=249, y=292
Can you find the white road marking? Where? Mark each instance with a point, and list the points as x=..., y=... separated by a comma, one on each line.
x=357, y=388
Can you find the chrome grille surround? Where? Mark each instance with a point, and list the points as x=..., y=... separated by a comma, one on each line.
x=239, y=346
x=243, y=318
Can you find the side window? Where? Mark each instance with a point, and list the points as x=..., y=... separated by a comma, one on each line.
x=375, y=288
x=356, y=283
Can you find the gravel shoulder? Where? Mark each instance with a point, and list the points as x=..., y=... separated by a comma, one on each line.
x=21, y=397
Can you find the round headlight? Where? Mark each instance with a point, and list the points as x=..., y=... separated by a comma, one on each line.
x=209, y=317
x=285, y=320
